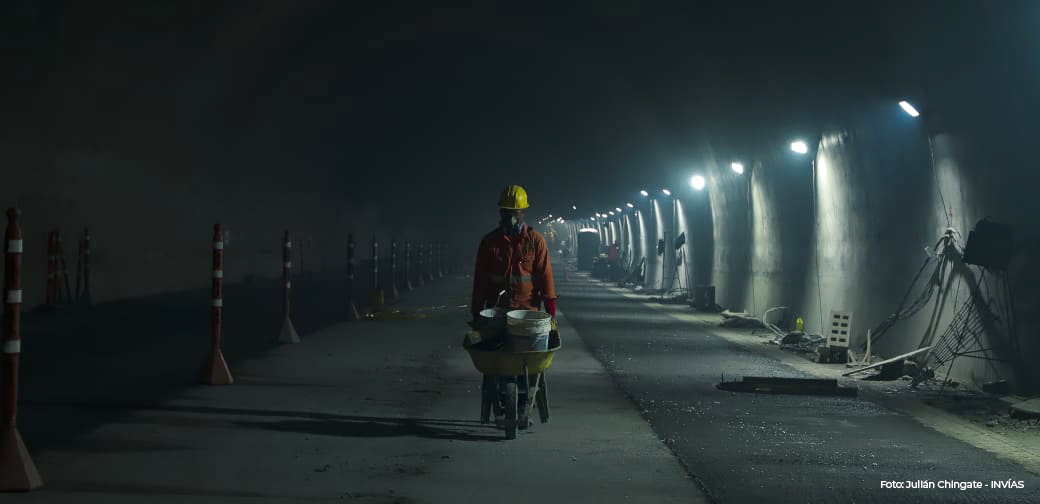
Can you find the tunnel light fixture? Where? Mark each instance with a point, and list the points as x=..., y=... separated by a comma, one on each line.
x=618, y=209
x=629, y=205
x=737, y=167
x=909, y=109
x=666, y=192
x=550, y=216
x=697, y=182
x=799, y=147
x=573, y=207
x=644, y=193
x=611, y=214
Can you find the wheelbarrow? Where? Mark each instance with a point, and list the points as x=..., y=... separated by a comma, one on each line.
x=530, y=365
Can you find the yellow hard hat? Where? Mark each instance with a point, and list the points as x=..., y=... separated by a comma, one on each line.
x=513, y=197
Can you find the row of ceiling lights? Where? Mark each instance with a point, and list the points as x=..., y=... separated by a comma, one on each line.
x=698, y=182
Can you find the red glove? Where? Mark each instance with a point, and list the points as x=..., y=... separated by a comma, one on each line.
x=550, y=306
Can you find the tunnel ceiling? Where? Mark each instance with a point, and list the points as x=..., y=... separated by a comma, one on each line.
x=554, y=98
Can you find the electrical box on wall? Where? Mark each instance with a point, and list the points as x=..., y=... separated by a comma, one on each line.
x=840, y=330
x=989, y=245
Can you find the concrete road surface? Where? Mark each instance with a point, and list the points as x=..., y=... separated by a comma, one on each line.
x=371, y=411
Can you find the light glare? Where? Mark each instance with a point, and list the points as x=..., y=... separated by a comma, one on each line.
x=697, y=182
x=799, y=147
x=909, y=109
x=737, y=167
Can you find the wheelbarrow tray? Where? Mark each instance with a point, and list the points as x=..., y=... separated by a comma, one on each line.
x=503, y=363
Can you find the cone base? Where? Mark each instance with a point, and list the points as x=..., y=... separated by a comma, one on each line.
x=217, y=373
x=288, y=334
x=352, y=311
x=18, y=473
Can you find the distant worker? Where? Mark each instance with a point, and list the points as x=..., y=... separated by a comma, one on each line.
x=612, y=260
x=514, y=258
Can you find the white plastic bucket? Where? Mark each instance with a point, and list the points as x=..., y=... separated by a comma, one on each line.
x=528, y=330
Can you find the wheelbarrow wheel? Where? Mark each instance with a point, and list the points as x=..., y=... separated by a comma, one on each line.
x=488, y=396
x=510, y=410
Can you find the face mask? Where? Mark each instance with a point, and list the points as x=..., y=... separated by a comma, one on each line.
x=512, y=225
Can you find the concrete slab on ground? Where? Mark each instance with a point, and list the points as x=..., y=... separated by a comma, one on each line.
x=369, y=411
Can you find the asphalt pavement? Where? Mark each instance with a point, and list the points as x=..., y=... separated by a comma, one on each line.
x=746, y=447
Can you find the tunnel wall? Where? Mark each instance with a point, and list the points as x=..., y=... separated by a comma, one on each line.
x=152, y=225
x=879, y=203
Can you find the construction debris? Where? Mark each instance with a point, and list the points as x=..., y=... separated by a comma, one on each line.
x=897, y=359
x=1029, y=408
x=739, y=320
x=1001, y=387
x=395, y=315
x=803, y=386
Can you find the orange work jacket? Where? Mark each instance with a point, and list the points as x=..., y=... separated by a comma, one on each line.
x=518, y=264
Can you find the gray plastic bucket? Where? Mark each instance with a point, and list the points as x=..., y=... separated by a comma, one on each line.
x=493, y=323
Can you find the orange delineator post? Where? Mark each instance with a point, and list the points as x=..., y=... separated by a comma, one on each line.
x=352, y=311
x=217, y=372
x=440, y=259
x=429, y=262
x=288, y=334
x=393, y=270
x=86, y=267
x=63, y=272
x=419, y=281
x=18, y=473
x=407, y=265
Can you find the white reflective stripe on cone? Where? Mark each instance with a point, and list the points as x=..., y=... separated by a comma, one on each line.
x=14, y=296
x=218, y=273
x=14, y=246
x=13, y=346
x=218, y=245
x=217, y=303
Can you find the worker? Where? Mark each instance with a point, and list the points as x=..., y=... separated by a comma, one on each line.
x=612, y=260
x=514, y=258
